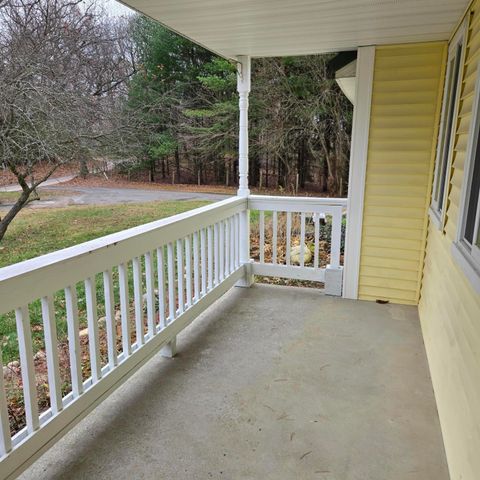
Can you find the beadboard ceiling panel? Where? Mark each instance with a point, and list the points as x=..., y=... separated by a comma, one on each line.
x=264, y=28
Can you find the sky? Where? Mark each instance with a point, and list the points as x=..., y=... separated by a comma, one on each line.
x=116, y=8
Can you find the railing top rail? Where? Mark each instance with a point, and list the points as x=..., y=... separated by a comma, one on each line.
x=300, y=200
x=31, y=279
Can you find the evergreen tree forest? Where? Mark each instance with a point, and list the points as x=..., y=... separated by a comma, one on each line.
x=184, y=104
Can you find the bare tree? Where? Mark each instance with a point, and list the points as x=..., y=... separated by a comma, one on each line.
x=62, y=67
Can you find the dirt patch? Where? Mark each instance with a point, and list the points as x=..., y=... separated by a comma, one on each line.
x=115, y=180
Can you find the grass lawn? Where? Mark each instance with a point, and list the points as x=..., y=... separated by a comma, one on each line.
x=36, y=232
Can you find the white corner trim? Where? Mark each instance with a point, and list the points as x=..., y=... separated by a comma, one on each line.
x=358, y=169
x=438, y=211
x=435, y=218
x=464, y=261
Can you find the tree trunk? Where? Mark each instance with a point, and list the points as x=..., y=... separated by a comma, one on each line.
x=151, y=173
x=83, y=168
x=177, y=164
x=12, y=213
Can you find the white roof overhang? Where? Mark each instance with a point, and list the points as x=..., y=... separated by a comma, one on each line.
x=265, y=28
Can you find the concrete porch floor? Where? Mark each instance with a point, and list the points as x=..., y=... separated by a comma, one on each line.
x=270, y=383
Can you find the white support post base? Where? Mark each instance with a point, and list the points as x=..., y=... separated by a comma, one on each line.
x=333, y=281
x=248, y=278
x=170, y=349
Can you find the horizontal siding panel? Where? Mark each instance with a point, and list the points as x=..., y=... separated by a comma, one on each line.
x=404, y=109
x=390, y=299
x=397, y=98
x=392, y=200
x=399, y=180
x=393, y=144
x=409, y=71
x=398, y=132
x=405, y=106
x=401, y=243
x=401, y=296
x=399, y=121
x=408, y=166
x=396, y=190
x=381, y=272
x=391, y=222
x=392, y=233
x=391, y=283
x=420, y=59
x=395, y=211
x=389, y=262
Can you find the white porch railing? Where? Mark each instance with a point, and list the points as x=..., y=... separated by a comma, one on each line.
x=289, y=218
x=151, y=282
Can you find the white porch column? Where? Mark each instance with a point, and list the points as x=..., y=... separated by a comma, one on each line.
x=358, y=170
x=243, y=88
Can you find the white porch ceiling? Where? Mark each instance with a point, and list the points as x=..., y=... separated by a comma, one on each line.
x=264, y=28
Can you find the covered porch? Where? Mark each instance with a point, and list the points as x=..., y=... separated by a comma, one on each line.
x=262, y=381
x=270, y=382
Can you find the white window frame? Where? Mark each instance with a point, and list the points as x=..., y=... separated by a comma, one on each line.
x=443, y=162
x=465, y=253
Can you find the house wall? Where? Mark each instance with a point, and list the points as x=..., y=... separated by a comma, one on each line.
x=406, y=104
x=450, y=309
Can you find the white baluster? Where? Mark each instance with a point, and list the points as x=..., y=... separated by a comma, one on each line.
x=181, y=292
x=124, y=309
x=171, y=284
x=196, y=268
x=92, y=322
x=110, y=319
x=316, y=255
x=216, y=254
x=5, y=438
x=137, y=293
x=27, y=368
x=261, y=226
x=210, y=257
x=188, y=270
x=74, y=340
x=51, y=351
x=227, y=247
x=150, y=281
x=274, y=236
x=302, y=239
x=289, y=237
x=161, y=286
x=203, y=260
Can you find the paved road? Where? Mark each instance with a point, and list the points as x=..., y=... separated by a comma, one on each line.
x=107, y=196
x=51, y=181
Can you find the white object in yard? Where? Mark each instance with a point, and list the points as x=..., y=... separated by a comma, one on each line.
x=295, y=254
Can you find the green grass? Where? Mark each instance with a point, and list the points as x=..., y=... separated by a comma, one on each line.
x=36, y=232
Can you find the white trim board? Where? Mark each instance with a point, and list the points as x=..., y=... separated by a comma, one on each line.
x=358, y=169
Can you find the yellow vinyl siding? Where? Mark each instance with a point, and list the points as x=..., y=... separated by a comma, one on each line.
x=403, y=125
x=449, y=307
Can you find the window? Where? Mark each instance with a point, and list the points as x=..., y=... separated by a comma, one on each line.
x=467, y=247
x=447, y=128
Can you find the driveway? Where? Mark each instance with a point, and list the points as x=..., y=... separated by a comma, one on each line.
x=84, y=195
x=49, y=182
x=108, y=196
